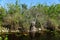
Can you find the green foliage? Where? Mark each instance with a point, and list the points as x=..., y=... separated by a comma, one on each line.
x=0, y=38
x=38, y=25
x=20, y=13
x=6, y=38
x=39, y=12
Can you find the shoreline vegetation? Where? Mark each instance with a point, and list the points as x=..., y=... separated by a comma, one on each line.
x=39, y=22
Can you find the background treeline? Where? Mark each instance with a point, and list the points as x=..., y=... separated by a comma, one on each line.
x=19, y=15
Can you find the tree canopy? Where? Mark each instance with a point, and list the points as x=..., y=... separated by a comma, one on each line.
x=20, y=13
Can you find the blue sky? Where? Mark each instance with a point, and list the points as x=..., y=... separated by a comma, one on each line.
x=29, y=2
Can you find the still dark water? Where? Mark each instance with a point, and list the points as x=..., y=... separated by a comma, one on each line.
x=37, y=36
